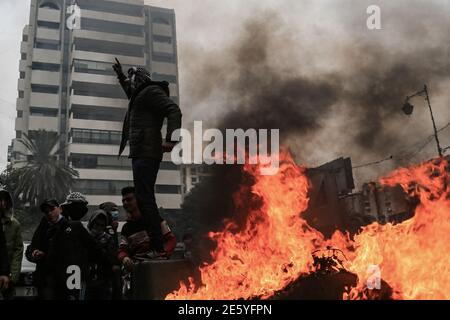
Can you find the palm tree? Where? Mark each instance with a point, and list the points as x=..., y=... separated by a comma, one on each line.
x=44, y=175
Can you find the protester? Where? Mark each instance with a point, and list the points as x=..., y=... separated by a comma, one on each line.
x=57, y=245
x=149, y=106
x=135, y=240
x=4, y=263
x=75, y=207
x=48, y=284
x=112, y=210
x=99, y=285
x=13, y=237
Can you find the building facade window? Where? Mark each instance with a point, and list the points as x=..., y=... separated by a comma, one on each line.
x=161, y=57
x=43, y=112
x=109, y=47
x=161, y=20
x=112, y=27
x=48, y=24
x=47, y=45
x=96, y=136
x=45, y=66
x=49, y=5
x=98, y=113
x=98, y=90
x=23, y=56
x=111, y=7
x=89, y=161
x=164, y=77
x=162, y=39
x=113, y=188
x=21, y=94
x=22, y=75
x=19, y=113
x=42, y=88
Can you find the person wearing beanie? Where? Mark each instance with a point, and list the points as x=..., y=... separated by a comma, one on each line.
x=149, y=105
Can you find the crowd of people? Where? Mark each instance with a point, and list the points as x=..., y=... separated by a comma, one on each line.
x=61, y=242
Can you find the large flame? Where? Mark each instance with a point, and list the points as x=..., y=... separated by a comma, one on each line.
x=413, y=256
x=274, y=248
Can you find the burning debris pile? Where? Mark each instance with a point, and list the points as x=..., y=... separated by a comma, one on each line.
x=271, y=255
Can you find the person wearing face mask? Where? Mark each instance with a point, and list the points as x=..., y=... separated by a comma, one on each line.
x=112, y=210
x=149, y=105
x=99, y=284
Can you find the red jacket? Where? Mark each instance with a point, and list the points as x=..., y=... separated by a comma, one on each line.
x=135, y=240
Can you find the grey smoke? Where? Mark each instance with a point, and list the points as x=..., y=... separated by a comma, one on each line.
x=344, y=102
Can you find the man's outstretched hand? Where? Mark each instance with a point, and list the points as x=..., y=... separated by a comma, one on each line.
x=118, y=69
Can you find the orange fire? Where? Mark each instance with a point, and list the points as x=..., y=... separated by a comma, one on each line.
x=413, y=256
x=274, y=248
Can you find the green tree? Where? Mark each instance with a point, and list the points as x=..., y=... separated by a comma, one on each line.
x=44, y=173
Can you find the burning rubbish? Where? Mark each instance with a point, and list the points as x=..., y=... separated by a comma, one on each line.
x=277, y=255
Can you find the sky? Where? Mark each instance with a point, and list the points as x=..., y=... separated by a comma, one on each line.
x=14, y=17
x=310, y=39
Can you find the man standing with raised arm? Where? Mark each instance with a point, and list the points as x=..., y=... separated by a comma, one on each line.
x=149, y=105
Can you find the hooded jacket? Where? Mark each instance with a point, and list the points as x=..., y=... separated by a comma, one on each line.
x=65, y=243
x=149, y=105
x=13, y=236
x=101, y=269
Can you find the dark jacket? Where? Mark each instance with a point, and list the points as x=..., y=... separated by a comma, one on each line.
x=147, y=109
x=101, y=269
x=4, y=264
x=65, y=243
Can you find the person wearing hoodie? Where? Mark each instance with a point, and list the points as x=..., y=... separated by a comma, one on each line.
x=112, y=210
x=99, y=283
x=4, y=264
x=13, y=237
x=149, y=105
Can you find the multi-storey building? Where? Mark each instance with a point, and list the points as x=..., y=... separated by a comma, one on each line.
x=67, y=85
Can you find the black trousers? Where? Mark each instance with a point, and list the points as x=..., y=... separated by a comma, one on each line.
x=145, y=172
